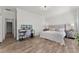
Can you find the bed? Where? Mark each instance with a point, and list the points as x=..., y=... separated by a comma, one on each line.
x=53, y=36
x=57, y=36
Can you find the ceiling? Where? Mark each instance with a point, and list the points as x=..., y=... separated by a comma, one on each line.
x=33, y=9
x=48, y=9
x=41, y=10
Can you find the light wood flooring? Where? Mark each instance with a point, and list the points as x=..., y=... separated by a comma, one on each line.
x=37, y=45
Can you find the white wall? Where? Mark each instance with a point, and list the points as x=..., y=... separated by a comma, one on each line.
x=27, y=18
x=76, y=12
x=62, y=16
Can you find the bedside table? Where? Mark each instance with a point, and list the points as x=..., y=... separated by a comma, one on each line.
x=70, y=34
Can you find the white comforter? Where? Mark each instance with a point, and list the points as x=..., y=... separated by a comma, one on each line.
x=54, y=36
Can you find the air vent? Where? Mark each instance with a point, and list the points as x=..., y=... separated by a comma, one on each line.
x=8, y=9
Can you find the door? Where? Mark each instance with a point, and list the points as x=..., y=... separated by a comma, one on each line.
x=9, y=27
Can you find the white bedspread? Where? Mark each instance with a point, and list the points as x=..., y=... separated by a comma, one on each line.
x=54, y=36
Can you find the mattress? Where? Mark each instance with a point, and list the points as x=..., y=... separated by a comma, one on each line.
x=53, y=36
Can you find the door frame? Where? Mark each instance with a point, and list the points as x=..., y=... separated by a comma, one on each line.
x=9, y=20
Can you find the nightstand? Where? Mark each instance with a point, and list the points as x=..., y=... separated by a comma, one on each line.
x=70, y=34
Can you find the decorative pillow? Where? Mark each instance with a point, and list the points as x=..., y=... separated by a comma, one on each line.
x=52, y=29
x=45, y=29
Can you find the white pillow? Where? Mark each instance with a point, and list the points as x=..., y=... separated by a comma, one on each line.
x=61, y=29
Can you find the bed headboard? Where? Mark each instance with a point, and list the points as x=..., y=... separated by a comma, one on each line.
x=57, y=26
x=64, y=26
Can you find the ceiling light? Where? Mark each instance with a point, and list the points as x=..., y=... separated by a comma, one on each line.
x=8, y=9
x=43, y=7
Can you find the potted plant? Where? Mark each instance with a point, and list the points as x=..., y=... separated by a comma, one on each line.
x=77, y=38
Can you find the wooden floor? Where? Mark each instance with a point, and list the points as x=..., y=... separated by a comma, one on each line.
x=37, y=45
